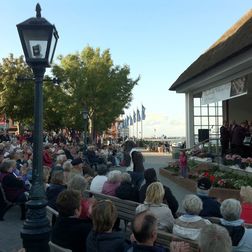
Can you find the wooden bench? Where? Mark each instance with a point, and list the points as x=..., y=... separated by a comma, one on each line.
x=126, y=209
x=164, y=239
x=51, y=215
x=56, y=248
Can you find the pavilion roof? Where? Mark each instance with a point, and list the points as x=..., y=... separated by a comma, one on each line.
x=234, y=41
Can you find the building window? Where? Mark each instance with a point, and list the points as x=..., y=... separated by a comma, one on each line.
x=207, y=117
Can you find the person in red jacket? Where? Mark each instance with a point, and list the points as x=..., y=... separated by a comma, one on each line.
x=183, y=164
x=47, y=159
x=246, y=197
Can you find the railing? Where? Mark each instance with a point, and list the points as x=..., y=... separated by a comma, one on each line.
x=209, y=146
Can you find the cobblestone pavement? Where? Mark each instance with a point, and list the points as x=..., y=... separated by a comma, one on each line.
x=10, y=240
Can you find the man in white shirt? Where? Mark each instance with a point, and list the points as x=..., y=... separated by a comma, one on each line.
x=99, y=180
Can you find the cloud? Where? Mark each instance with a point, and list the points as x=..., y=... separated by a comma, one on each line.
x=158, y=124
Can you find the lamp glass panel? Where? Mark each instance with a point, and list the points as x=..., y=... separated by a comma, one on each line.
x=52, y=47
x=36, y=43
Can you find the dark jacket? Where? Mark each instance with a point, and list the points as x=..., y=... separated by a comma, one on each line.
x=211, y=207
x=68, y=154
x=142, y=248
x=236, y=233
x=238, y=135
x=169, y=198
x=224, y=134
x=71, y=233
x=106, y=242
x=12, y=186
x=52, y=193
x=127, y=192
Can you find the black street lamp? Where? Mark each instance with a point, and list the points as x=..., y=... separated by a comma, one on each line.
x=85, y=117
x=39, y=40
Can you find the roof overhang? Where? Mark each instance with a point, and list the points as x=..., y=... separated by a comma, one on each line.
x=233, y=68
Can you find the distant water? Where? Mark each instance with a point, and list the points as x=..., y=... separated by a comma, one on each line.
x=168, y=139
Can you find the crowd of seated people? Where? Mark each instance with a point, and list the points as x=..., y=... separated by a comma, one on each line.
x=85, y=224
x=98, y=233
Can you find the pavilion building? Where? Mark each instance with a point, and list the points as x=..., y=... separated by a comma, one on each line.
x=218, y=85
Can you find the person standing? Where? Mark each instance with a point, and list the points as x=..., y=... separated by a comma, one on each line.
x=224, y=138
x=183, y=164
x=238, y=136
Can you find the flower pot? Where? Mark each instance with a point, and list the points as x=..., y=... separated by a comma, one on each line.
x=191, y=185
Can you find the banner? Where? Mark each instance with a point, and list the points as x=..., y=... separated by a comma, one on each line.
x=134, y=116
x=138, y=116
x=224, y=92
x=131, y=120
x=143, y=113
x=216, y=94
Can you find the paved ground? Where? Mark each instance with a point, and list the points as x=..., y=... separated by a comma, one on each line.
x=10, y=240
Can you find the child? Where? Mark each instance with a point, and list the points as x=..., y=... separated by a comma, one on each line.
x=183, y=164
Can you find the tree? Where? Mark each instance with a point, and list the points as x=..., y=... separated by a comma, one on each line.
x=16, y=89
x=91, y=79
x=17, y=95
x=55, y=106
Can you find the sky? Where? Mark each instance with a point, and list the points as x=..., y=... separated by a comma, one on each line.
x=158, y=39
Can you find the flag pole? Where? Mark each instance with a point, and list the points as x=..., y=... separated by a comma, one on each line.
x=133, y=130
x=142, y=128
x=137, y=129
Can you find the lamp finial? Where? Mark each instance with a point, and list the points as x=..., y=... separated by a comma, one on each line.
x=38, y=11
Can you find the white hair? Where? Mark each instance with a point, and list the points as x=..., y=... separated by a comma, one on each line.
x=79, y=183
x=214, y=238
x=126, y=177
x=67, y=166
x=61, y=158
x=231, y=209
x=246, y=194
x=192, y=204
x=114, y=176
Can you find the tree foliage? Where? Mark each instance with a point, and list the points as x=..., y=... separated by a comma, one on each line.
x=91, y=79
x=17, y=95
x=16, y=89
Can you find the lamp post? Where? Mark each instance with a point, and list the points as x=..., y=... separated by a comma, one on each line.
x=85, y=117
x=39, y=39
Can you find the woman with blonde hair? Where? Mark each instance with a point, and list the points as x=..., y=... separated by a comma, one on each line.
x=154, y=203
x=246, y=198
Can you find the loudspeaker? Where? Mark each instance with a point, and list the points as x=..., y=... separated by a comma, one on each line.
x=203, y=134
